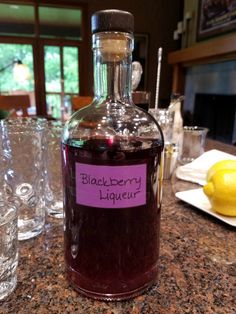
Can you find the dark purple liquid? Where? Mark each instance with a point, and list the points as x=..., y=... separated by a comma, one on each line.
x=111, y=253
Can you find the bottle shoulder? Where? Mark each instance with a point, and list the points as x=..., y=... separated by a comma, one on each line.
x=112, y=119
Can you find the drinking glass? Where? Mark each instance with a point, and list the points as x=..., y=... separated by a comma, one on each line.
x=165, y=119
x=53, y=170
x=27, y=143
x=8, y=248
x=193, y=143
x=8, y=221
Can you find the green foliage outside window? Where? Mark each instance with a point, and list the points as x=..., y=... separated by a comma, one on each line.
x=71, y=75
x=11, y=52
x=53, y=77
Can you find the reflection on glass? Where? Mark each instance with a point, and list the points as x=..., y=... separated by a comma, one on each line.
x=54, y=105
x=60, y=22
x=71, y=69
x=67, y=110
x=52, y=68
x=17, y=20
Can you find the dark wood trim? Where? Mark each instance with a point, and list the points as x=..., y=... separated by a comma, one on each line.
x=47, y=41
x=40, y=92
x=38, y=70
x=61, y=42
x=23, y=2
x=16, y=40
x=62, y=3
x=178, y=79
x=65, y=3
x=84, y=55
x=223, y=48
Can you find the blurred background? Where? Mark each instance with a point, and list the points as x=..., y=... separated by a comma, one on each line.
x=53, y=40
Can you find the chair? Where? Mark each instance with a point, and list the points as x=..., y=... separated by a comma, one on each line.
x=79, y=102
x=14, y=103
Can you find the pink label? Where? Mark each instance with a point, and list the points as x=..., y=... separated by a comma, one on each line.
x=111, y=186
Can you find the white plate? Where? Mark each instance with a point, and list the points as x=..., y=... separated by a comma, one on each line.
x=198, y=199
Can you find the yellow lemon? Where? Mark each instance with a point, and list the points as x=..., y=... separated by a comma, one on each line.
x=221, y=191
x=221, y=165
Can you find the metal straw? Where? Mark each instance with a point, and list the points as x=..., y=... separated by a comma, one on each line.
x=158, y=77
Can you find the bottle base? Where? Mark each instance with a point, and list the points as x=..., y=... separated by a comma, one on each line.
x=146, y=281
x=116, y=296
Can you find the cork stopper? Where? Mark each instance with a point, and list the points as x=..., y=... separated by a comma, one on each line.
x=114, y=29
x=112, y=21
x=114, y=48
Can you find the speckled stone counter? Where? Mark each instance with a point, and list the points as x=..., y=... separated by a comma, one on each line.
x=197, y=268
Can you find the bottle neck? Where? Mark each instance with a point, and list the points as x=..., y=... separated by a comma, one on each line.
x=112, y=65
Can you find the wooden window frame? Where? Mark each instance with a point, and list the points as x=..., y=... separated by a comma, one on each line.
x=38, y=44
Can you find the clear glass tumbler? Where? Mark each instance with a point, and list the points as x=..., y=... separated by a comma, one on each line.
x=27, y=144
x=8, y=248
x=8, y=222
x=193, y=143
x=53, y=170
x=165, y=119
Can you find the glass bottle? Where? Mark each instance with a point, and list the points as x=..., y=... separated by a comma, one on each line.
x=112, y=172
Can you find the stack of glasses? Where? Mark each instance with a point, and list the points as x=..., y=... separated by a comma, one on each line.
x=30, y=186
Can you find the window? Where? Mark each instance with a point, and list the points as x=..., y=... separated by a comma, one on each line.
x=71, y=69
x=61, y=78
x=60, y=22
x=10, y=55
x=50, y=46
x=17, y=20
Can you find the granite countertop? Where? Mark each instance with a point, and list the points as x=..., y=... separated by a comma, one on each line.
x=197, y=269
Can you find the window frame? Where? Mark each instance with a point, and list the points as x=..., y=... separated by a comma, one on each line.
x=38, y=44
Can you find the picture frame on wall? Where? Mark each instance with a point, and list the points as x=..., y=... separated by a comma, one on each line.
x=215, y=17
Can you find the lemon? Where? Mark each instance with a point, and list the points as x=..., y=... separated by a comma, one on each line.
x=221, y=191
x=220, y=165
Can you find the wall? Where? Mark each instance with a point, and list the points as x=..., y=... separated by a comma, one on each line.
x=211, y=79
x=215, y=78
x=158, y=19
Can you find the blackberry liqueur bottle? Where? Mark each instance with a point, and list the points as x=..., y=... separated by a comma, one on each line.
x=112, y=168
